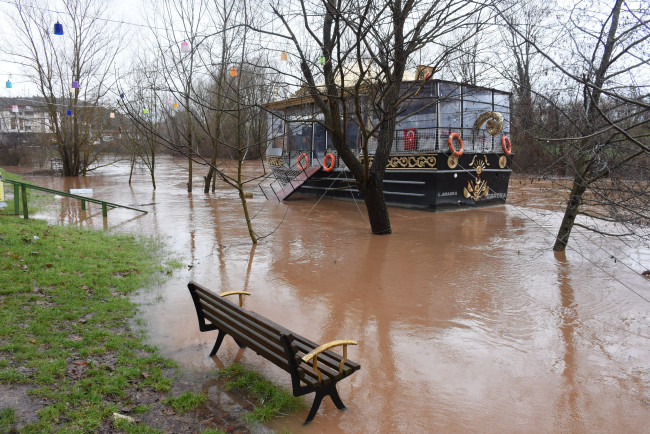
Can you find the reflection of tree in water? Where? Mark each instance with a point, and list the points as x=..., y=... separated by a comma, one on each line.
x=567, y=321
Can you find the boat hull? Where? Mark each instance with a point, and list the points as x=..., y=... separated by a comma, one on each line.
x=426, y=181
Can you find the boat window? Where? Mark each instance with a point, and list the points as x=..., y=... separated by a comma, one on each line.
x=502, y=105
x=449, y=107
x=418, y=113
x=475, y=102
x=352, y=134
x=319, y=140
x=276, y=135
x=299, y=136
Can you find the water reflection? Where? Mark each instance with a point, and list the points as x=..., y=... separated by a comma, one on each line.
x=567, y=405
x=466, y=321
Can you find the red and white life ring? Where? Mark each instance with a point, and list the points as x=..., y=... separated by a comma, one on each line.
x=506, y=145
x=302, y=158
x=450, y=141
x=329, y=162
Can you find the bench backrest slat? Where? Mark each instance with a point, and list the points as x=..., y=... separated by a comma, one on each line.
x=238, y=321
x=304, y=346
x=248, y=340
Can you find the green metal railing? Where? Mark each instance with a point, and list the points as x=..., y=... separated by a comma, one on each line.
x=22, y=187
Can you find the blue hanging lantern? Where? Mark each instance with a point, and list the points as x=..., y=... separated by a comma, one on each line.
x=69, y=113
x=122, y=95
x=75, y=84
x=9, y=85
x=58, y=28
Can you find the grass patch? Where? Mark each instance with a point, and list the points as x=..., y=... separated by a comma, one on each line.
x=270, y=399
x=188, y=401
x=7, y=418
x=134, y=427
x=64, y=313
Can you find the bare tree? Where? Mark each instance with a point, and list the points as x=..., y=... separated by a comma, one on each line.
x=218, y=101
x=607, y=146
x=72, y=72
x=366, y=49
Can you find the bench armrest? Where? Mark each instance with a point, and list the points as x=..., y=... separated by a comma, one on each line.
x=240, y=293
x=314, y=355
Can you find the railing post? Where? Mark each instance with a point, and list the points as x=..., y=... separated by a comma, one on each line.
x=25, y=211
x=104, y=210
x=83, y=205
x=16, y=199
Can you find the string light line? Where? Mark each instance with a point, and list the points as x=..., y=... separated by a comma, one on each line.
x=57, y=12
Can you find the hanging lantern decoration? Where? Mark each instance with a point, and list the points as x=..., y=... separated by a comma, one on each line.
x=72, y=90
x=75, y=84
x=112, y=115
x=175, y=105
x=233, y=72
x=283, y=56
x=122, y=95
x=185, y=47
x=146, y=111
x=9, y=85
x=58, y=28
x=322, y=60
x=14, y=109
x=69, y=113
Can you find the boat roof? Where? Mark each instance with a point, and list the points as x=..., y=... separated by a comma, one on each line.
x=302, y=97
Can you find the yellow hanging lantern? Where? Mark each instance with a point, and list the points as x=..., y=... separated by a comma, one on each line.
x=112, y=115
x=233, y=72
x=175, y=105
x=284, y=56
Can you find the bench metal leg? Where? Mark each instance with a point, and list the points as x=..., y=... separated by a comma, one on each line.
x=320, y=394
x=315, y=406
x=242, y=346
x=217, y=344
x=334, y=394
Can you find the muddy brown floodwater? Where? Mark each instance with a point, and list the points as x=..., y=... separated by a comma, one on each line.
x=466, y=321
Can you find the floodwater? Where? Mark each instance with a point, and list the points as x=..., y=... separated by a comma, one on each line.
x=466, y=321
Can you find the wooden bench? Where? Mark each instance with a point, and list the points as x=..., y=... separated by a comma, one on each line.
x=313, y=367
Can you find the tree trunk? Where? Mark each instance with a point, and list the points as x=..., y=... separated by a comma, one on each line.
x=571, y=212
x=373, y=195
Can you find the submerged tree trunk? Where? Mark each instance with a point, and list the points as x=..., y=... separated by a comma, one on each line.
x=570, y=214
x=375, y=202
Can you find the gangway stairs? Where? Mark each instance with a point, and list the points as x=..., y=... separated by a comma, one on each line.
x=292, y=185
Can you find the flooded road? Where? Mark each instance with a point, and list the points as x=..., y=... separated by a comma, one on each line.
x=466, y=321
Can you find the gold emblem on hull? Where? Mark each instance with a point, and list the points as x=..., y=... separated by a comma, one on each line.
x=478, y=189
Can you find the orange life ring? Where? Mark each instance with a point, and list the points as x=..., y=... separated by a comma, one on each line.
x=450, y=141
x=299, y=162
x=329, y=162
x=506, y=145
